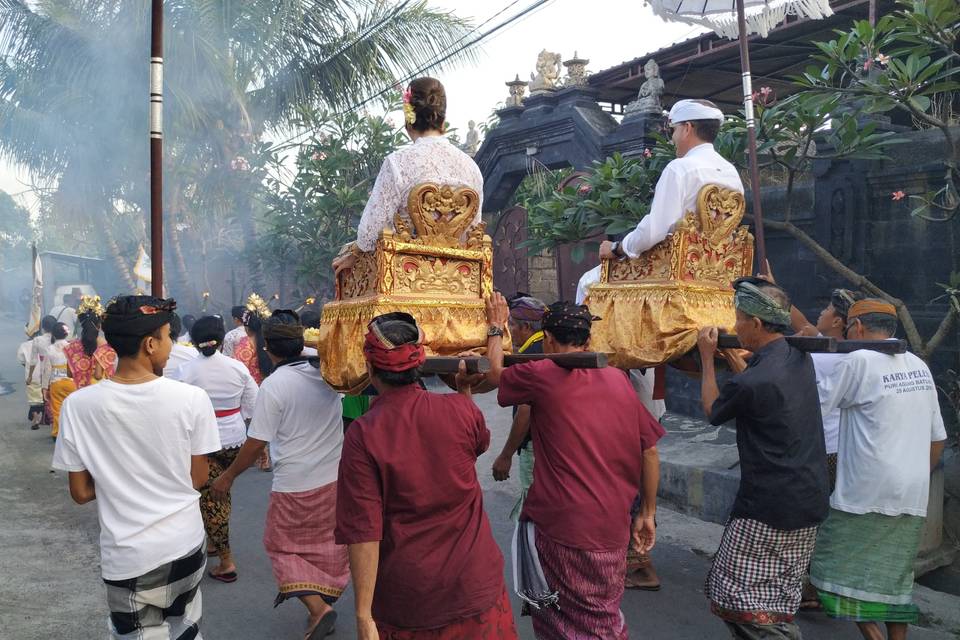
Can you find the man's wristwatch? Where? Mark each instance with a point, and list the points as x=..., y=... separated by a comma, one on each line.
x=494, y=330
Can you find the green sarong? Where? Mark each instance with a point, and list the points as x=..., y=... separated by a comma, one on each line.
x=863, y=566
x=525, y=473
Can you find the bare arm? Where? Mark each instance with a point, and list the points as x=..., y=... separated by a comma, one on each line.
x=199, y=471
x=518, y=433
x=82, y=488
x=936, y=450
x=709, y=391
x=247, y=455
x=644, y=530
x=497, y=315
x=364, y=561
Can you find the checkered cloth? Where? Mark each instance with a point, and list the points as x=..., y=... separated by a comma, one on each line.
x=758, y=572
x=162, y=604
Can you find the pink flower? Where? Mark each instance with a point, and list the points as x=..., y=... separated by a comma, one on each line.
x=647, y=153
x=765, y=91
x=240, y=164
x=318, y=156
x=391, y=123
x=898, y=195
x=407, y=95
x=584, y=189
x=867, y=65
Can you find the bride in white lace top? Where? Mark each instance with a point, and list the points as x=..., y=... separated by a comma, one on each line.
x=431, y=158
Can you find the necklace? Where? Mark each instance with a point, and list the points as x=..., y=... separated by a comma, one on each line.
x=132, y=380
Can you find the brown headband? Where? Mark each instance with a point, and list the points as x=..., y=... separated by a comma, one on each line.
x=863, y=307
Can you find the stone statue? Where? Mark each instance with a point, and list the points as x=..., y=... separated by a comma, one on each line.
x=517, y=88
x=648, y=98
x=473, y=139
x=548, y=72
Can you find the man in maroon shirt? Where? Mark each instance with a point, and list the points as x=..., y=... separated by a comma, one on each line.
x=596, y=445
x=410, y=507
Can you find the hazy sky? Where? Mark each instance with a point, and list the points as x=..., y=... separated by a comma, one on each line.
x=606, y=32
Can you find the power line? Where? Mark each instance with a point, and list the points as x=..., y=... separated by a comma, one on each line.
x=444, y=58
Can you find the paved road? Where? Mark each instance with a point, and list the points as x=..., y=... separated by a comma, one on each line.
x=49, y=573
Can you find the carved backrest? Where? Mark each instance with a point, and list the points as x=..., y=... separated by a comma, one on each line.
x=707, y=245
x=441, y=215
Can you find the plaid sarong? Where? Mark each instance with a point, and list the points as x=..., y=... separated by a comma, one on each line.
x=299, y=540
x=758, y=571
x=162, y=604
x=863, y=567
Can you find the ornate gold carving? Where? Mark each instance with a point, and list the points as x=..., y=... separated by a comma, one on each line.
x=720, y=211
x=423, y=275
x=360, y=280
x=441, y=213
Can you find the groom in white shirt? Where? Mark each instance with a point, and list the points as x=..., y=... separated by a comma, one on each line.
x=694, y=125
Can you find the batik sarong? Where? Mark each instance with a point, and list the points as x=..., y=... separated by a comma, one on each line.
x=757, y=574
x=162, y=604
x=496, y=623
x=590, y=586
x=863, y=566
x=299, y=540
x=216, y=513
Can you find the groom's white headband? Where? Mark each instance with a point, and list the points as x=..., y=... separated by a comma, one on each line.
x=686, y=110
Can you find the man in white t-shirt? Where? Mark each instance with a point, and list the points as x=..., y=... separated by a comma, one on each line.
x=137, y=444
x=300, y=416
x=891, y=437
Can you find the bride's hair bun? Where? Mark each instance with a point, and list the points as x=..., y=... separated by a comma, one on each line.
x=429, y=102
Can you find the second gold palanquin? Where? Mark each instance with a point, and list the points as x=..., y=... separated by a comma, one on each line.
x=439, y=271
x=653, y=306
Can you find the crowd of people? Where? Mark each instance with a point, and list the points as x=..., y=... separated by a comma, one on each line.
x=835, y=451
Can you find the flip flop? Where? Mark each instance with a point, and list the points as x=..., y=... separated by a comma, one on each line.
x=227, y=577
x=811, y=605
x=324, y=626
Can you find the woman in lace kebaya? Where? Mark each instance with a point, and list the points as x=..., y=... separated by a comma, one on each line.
x=431, y=158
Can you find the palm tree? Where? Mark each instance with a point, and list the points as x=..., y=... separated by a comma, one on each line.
x=73, y=76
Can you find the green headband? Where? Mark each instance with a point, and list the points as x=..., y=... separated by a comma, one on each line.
x=751, y=300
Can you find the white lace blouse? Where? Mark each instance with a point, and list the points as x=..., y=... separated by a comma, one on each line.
x=429, y=159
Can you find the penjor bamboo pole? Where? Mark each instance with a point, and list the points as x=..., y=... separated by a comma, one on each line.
x=751, y=136
x=156, y=149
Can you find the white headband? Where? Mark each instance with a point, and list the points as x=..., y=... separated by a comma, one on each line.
x=686, y=110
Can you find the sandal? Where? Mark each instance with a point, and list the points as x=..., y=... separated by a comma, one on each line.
x=324, y=626
x=226, y=576
x=811, y=605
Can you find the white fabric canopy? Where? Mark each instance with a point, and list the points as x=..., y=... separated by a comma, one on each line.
x=720, y=16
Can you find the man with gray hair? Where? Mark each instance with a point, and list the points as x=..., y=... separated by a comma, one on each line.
x=694, y=125
x=755, y=583
x=891, y=438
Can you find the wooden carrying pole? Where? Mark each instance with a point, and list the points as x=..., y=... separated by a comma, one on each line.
x=751, y=138
x=444, y=365
x=156, y=149
x=822, y=344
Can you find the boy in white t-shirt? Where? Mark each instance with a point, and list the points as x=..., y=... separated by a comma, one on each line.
x=137, y=444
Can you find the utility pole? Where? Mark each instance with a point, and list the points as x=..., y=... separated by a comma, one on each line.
x=156, y=149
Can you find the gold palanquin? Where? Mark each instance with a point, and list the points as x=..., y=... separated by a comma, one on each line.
x=652, y=307
x=430, y=272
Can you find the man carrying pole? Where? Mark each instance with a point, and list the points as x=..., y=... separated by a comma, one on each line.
x=755, y=583
x=596, y=447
